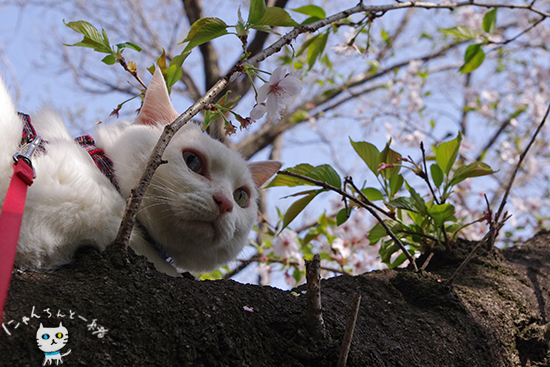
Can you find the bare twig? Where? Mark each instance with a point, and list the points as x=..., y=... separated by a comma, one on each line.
x=425, y=265
x=494, y=227
x=494, y=138
x=350, y=327
x=436, y=200
x=134, y=73
x=314, y=312
x=363, y=205
x=484, y=240
x=512, y=178
x=349, y=180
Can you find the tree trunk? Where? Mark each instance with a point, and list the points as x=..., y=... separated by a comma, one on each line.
x=494, y=315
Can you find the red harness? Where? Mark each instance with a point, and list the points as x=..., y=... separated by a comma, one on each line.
x=14, y=203
x=12, y=215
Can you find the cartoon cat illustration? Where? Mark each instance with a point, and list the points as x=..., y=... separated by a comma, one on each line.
x=50, y=341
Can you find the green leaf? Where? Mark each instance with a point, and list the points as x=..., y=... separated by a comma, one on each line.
x=399, y=260
x=473, y=58
x=342, y=216
x=306, y=44
x=437, y=174
x=256, y=11
x=387, y=250
x=372, y=194
x=310, y=20
x=174, y=73
x=474, y=169
x=109, y=60
x=446, y=153
x=315, y=49
x=276, y=17
x=129, y=45
x=402, y=202
x=490, y=21
x=284, y=180
x=441, y=213
x=461, y=32
x=396, y=182
x=264, y=28
x=297, y=207
x=323, y=173
x=376, y=233
x=92, y=37
x=312, y=11
x=419, y=203
x=326, y=174
x=204, y=30
x=368, y=153
x=389, y=156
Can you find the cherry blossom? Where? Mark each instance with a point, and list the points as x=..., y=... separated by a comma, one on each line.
x=346, y=49
x=286, y=245
x=282, y=87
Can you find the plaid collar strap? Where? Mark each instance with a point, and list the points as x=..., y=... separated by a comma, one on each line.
x=104, y=163
x=29, y=133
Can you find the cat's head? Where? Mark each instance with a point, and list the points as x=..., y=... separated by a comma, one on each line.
x=52, y=339
x=201, y=204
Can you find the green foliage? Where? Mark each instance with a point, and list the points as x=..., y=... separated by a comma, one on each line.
x=260, y=17
x=204, y=30
x=474, y=55
x=446, y=153
x=490, y=21
x=314, y=12
x=473, y=58
x=419, y=223
x=100, y=42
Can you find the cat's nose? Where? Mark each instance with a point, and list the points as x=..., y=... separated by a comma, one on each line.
x=224, y=203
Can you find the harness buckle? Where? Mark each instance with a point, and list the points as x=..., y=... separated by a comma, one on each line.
x=28, y=154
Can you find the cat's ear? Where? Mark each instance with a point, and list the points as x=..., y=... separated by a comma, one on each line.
x=41, y=327
x=60, y=324
x=262, y=171
x=157, y=107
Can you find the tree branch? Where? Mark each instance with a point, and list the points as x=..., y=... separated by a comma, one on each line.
x=257, y=141
x=361, y=204
x=155, y=159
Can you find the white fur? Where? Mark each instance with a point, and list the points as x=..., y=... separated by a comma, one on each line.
x=71, y=203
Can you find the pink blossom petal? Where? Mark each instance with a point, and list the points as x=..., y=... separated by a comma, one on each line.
x=272, y=105
x=263, y=92
x=277, y=75
x=291, y=85
x=258, y=112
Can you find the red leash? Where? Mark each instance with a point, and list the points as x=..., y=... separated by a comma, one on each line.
x=11, y=216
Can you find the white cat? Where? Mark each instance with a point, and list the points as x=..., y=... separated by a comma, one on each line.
x=50, y=341
x=196, y=214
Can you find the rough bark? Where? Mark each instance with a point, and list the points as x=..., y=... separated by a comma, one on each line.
x=494, y=315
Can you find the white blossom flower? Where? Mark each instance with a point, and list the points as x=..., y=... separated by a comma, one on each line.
x=286, y=245
x=345, y=49
x=340, y=245
x=279, y=91
x=264, y=271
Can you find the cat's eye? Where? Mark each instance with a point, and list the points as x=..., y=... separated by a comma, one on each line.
x=193, y=160
x=59, y=335
x=45, y=337
x=242, y=197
